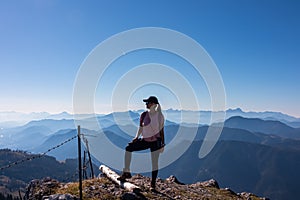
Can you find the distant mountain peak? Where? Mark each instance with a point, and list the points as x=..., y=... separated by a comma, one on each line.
x=235, y=110
x=272, y=127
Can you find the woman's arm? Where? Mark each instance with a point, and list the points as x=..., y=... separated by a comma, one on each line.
x=162, y=136
x=140, y=130
x=162, y=132
x=138, y=133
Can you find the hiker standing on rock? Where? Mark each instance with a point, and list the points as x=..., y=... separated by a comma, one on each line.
x=152, y=131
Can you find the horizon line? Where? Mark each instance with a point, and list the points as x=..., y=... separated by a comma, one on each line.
x=139, y=110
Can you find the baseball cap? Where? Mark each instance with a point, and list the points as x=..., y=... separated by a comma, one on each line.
x=151, y=99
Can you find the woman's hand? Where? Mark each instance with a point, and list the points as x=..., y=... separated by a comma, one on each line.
x=135, y=139
x=161, y=150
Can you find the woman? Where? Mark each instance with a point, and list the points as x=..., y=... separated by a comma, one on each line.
x=152, y=131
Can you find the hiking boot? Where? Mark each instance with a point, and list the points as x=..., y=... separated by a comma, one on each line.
x=152, y=187
x=124, y=176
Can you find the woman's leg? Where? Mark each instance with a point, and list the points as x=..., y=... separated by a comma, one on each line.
x=154, y=157
x=131, y=147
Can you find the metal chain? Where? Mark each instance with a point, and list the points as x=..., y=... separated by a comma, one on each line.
x=36, y=156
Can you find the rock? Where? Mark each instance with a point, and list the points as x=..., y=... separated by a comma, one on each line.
x=173, y=179
x=103, y=188
x=59, y=197
x=230, y=191
x=37, y=189
x=210, y=183
x=250, y=196
x=132, y=196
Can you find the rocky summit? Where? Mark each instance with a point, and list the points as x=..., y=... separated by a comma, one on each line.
x=103, y=188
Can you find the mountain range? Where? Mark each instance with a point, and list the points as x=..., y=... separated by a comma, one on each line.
x=13, y=119
x=255, y=154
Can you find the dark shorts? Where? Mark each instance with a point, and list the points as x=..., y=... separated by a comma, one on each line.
x=141, y=144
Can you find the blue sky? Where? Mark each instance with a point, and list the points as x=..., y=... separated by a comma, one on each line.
x=255, y=45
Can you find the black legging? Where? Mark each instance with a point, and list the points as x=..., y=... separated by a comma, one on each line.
x=142, y=145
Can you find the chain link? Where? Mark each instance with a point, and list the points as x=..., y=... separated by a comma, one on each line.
x=36, y=156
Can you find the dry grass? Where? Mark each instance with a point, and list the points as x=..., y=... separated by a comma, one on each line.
x=99, y=191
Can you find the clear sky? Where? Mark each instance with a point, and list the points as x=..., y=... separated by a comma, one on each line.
x=254, y=43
